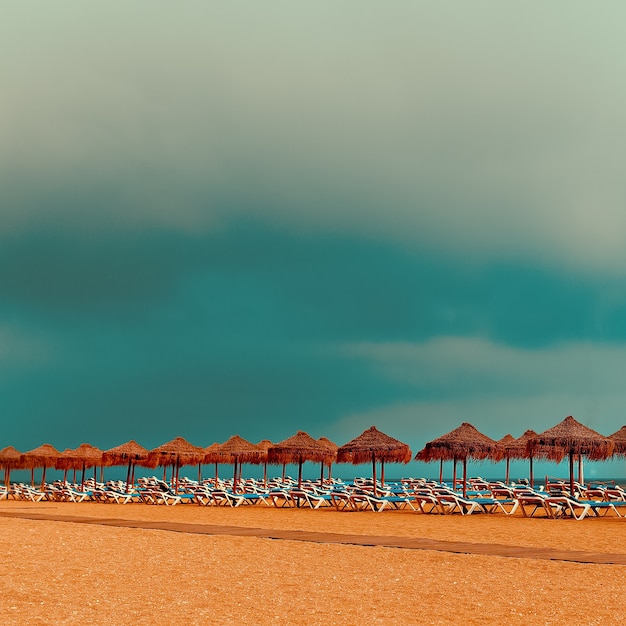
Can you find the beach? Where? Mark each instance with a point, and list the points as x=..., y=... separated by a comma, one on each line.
x=94, y=570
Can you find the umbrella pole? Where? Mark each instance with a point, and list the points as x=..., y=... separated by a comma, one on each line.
x=571, y=474
x=32, y=476
x=532, y=478
x=216, y=475
x=265, y=474
x=128, y=475
x=508, y=463
x=581, y=478
x=374, y=472
x=299, y=473
x=440, y=471
x=132, y=476
x=102, y=473
x=164, y=473
x=74, y=470
x=284, y=464
x=199, y=472
x=322, y=474
x=454, y=475
x=65, y=475
x=465, y=477
x=235, y=476
x=82, y=478
x=382, y=472
x=43, y=479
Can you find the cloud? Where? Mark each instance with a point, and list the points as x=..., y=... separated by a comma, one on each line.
x=418, y=422
x=498, y=388
x=496, y=138
x=473, y=366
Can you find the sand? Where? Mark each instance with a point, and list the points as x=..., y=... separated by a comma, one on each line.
x=59, y=572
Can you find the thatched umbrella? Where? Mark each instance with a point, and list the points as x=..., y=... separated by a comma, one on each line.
x=298, y=449
x=10, y=458
x=333, y=447
x=507, y=439
x=176, y=453
x=461, y=444
x=66, y=461
x=264, y=446
x=87, y=456
x=237, y=451
x=373, y=445
x=44, y=456
x=130, y=452
x=574, y=439
x=211, y=456
x=518, y=449
x=618, y=438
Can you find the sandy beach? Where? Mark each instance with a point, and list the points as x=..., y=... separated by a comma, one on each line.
x=60, y=572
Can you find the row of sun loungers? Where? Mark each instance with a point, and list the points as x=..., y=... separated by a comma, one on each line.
x=414, y=495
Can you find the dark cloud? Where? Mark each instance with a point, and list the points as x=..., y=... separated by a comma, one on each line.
x=241, y=330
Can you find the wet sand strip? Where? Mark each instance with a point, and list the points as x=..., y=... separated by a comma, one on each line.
x=407, y=543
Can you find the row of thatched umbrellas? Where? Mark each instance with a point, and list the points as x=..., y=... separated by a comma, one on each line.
x=371, y=445
x=568, y=438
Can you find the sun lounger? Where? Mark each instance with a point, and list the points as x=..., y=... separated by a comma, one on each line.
x=25, y=492
x=341, y=500
x=451, y=503
x=531, y=502
x=203, y=497
x=281, y=499
x=564, y=506
x=426, y=503
x=253, y=498
x=310, y=499
x=226, y=498
x=399, y=501
x=120, y=497
x=166, y=498
x=72, y=495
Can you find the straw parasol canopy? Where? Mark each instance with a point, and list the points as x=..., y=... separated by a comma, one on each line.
x=87, y=456
x=211, y=453
x=66, y=461
x=618, y=438
x=571, y=438
x=176, y=453
x=374, y=445
x=10, y=458
x=298, y=449
x=44, y=456
x=461, y=444
x=264, y=446
x=237, y=451
x=518, y=449
x=211, y=456
x=507, y=439
x=130, y=453
x=333, y=447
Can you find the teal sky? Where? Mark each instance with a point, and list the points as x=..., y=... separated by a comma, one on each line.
x=253, y=218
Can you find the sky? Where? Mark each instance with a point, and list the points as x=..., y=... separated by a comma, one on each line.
x=255, y=218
